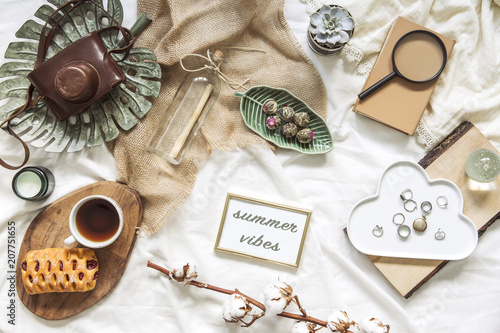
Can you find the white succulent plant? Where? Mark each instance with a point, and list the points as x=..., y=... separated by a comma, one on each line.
x=331, y=25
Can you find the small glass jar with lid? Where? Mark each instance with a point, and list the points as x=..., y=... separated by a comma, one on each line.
x=33, y=183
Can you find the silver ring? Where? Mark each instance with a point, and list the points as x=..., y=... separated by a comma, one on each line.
x=440, y=234
x=426, y=207
x=407, y=194
x=412, y=207
x=378, y=231
x=442, y=201
x=404, y=231
x=394, y=219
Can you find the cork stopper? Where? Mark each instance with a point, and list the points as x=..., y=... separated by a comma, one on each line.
x=218, y=56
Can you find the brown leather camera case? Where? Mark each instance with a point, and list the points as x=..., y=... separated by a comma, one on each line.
x=77, y=76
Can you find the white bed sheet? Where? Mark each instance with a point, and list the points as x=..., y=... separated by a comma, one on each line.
x=462, y=297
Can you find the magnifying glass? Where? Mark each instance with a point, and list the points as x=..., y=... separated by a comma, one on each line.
x=419, y=56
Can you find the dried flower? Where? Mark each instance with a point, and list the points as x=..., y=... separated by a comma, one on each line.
x=278, y=296
x=235, y=308
x=305, y=135
x=273, y=122
x=270, y=106
x=184, y=271
x=331, y=25
x=338, y=322
x=304, y=327
x=374, y=325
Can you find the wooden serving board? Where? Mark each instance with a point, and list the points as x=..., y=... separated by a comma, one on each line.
x=50, y=228
x=446, y=161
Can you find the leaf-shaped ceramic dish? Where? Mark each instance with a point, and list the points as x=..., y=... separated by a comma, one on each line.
x=255, y=119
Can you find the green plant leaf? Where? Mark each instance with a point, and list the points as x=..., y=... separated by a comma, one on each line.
x=29, y=30
x=45, y=11
x=131, y=100
x=15, y=69
x=255, y=119
x=115, y=9
x=15, y=87
x=22, y=50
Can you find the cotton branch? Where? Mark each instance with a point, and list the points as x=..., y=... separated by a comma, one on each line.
x=278, y=297
x=210, y=287
x=303, y=318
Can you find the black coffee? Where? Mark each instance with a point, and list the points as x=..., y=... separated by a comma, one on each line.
x=97, y=220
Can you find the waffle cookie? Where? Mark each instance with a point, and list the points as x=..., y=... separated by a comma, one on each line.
x=59, y=270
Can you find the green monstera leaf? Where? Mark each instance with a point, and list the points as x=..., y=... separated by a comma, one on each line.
x=253, y=116
x=121, y=108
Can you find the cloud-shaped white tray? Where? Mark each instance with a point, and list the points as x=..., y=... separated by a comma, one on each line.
x=461, y=233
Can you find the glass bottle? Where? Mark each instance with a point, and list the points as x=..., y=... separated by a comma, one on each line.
x=192, y=102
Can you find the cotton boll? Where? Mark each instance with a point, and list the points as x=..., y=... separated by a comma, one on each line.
x=354, y=327
x=235, y=308
x=373, y=325
x=301, y=327
x=274, y=307
x=184, y=271
x=271, y=292
x=277, y=297
x=285, y=288
x=338, y=322
x=304, y=327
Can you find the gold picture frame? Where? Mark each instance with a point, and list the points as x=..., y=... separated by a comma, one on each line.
x=263, y=230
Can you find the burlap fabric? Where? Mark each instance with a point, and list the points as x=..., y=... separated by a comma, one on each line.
x=182, y=27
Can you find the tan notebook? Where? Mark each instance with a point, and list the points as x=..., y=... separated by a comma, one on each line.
x=399, y=103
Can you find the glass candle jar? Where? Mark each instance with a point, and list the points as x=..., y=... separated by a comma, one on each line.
x=33, y=183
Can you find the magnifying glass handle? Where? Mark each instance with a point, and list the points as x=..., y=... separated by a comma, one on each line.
x=376, y=86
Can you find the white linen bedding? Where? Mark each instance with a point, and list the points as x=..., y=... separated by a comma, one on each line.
x=462, y=297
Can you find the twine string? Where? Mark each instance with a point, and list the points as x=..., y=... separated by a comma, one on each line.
x=212, y=65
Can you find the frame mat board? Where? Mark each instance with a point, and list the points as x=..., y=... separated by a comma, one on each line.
x=447, y=161
x=49, y=229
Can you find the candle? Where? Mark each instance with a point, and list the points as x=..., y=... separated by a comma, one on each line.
x=33, y=183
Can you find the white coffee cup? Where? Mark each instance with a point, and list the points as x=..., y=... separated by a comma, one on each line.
x=95, y=221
